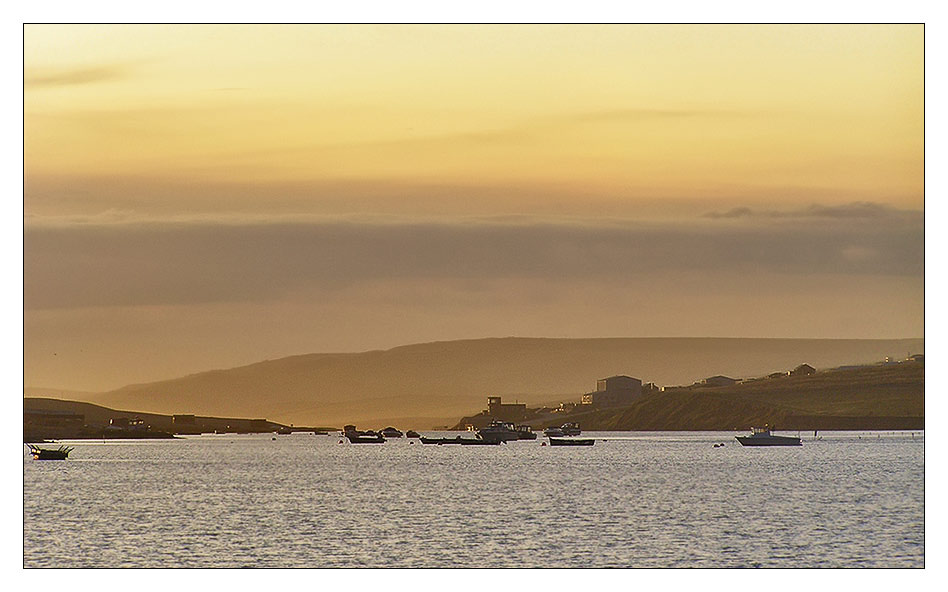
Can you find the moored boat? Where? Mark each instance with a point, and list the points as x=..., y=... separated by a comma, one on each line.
x=460, y=440
x=391, y=432
x=426, y=440
x=412, y=434
x=525, y=432
x=366, y=438
x=572, y=441
x=358, y=437
x=476, y=442
x=567, y=429
x=764, y=437
x=498, y=431
x=60, y=453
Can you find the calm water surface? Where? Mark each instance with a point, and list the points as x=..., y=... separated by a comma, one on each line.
x=635, y=499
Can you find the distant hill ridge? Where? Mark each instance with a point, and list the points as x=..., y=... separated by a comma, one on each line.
x=443, y=381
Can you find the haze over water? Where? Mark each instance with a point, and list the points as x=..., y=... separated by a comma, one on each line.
x=851, y=499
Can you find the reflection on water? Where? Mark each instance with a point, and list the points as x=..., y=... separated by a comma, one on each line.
x=633, y=500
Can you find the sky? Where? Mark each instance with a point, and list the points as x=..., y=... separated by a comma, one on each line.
x=204, y=196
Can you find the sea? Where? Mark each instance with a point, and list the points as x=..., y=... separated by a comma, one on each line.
x=633, y=500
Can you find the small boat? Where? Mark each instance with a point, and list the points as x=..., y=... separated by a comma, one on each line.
x=461, y=441
x=567, y=429
x=426, y=440
x=60, y=453
x=365, y=438
x=358, y=437
x=391, y=432
x=525, y=432
x=412, y=434
x=763, y=437
x=498, y=431
x=572, y=441
x=476, y=442
x=284, y=431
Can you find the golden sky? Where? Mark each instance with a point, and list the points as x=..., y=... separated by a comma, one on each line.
x=209, y=195
x=617, y=112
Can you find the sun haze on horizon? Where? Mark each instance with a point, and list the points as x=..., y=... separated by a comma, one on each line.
x=201, y=196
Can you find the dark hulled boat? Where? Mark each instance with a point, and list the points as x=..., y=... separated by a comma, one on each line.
x=461, y=441
x=763, y=437
x=567, y=429
x=357, y=437
x=498, y=431
x=366, y=438
x=572, y=441
x=60, y=453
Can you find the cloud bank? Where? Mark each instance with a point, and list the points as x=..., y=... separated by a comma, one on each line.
x=172, y=263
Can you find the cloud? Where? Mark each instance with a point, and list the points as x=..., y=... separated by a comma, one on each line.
x=855, y=210
x=116, y=263
x=40, y=78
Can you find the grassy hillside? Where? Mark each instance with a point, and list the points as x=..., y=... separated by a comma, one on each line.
x=874, y=397
x=445, y=380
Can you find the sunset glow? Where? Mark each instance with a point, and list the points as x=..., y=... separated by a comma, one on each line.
x=442, y=182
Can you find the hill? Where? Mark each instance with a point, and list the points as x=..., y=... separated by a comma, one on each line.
x=419, y=386
x=884, y=396
x=95, y=418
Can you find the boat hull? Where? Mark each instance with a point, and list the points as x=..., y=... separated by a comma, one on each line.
x=459, y=440
x=572, y=442
x=62, y=453
x=769, y=441
x=50, y=455
x=366, y=439
x=497, y=437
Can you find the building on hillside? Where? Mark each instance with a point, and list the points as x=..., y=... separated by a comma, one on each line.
x=717, y=381
x=565, y=408
x=777, y=374
x=614, y=391
x=505, y=411
x=803, y=370
x=916, y=358
x=650, y=387
x=126, y=423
